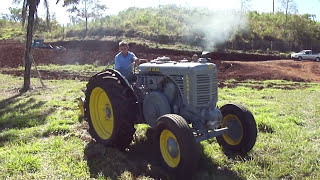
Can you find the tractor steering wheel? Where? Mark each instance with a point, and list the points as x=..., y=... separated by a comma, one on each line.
x=134, y=69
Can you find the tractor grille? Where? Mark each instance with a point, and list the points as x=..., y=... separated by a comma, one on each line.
x=206, y=89
x=179, y=80
x=203, y=89
x=214, y=88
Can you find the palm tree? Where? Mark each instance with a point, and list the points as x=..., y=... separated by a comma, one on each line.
x=30, y=6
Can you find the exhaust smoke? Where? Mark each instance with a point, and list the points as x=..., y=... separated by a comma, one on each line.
x=216, y=27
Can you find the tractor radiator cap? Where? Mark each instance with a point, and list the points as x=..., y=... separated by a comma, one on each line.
x=163, y=58
x=202, y=60
x=184, y=61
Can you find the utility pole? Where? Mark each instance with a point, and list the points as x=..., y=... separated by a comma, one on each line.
x=273, y=7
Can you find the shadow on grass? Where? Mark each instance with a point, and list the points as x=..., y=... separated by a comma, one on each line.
x=209, y=169
x=112, y=163
x=22, y=111
x=141, y=160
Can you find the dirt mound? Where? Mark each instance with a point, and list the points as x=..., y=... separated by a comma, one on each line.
x=11, y=53
x=278, y=70
x=305, y=71
x=103, y=52
x=112, y=46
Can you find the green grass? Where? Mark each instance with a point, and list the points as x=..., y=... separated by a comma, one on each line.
x=42, y=135
x=72, y=68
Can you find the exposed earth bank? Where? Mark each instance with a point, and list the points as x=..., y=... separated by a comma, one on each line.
x=230, y=65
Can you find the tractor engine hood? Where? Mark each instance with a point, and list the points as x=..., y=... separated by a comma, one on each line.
x=175, y=68
x=197, y=81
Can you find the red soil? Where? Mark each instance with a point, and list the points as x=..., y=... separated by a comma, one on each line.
x=230, y=65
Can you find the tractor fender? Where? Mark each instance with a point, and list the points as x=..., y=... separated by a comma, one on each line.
x=116, y=73
x=123, y=82
x=122, y=79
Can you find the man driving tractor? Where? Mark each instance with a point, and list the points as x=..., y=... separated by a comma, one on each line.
x=178, y=100
x=124, y=60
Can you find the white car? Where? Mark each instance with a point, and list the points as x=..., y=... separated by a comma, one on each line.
x=306, y=55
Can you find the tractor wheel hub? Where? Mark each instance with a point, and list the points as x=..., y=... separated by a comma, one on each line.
x=172, y=147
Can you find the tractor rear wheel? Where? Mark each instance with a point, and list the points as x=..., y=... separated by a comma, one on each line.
x=242, y=133
x=177, y=145
x=110, y=110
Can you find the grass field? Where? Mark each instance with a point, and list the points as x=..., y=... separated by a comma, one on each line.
x=42, y=136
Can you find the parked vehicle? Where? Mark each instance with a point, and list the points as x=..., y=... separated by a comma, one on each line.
x=39, y=43
x=306, y=55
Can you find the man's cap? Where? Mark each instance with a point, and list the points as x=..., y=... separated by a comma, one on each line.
x=123, y=43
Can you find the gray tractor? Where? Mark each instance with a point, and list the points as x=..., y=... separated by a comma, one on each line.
x=179, y=102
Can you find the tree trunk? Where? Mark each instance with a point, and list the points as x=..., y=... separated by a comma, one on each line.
x=252, y=45
x=86, y=26
x=27, y=57
x=63, y=32
x=287, y=8
x=86, y=14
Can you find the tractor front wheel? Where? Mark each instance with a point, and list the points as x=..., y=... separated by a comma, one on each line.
x=242, y=133
x=177, y=145
x=109, y=109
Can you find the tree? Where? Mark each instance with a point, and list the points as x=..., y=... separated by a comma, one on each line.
x=288, y=6
x=15, y=14
x=40, y=25
x=30, y=6
x=244, y=5
x=85, y=9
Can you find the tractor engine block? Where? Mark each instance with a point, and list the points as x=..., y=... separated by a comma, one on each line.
x=185, y=88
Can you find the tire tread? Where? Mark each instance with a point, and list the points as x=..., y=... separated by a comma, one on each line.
x=123, y=111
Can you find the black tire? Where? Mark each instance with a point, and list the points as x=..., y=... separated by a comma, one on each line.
x=188, y=148
x=245, y=141
x=300, y=58
x=318, y=59
x=123, y=106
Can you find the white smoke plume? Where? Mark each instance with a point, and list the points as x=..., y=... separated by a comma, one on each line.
x=217, y=27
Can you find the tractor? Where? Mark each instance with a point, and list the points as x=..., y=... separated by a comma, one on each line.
x=178, y=100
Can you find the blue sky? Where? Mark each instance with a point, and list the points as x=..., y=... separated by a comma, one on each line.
x=303, y=6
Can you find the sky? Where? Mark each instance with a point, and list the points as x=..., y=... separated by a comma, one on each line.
x=114, y=6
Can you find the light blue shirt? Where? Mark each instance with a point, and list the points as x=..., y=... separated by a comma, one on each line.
x=124, y=63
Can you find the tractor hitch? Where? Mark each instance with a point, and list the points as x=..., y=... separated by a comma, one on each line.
x=211, y=134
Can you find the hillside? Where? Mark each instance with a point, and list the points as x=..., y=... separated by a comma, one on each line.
x=195, y=29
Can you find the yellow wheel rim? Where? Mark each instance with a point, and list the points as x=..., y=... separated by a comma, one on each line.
x=101, y=113
x=169, y=147
x=232, y=119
